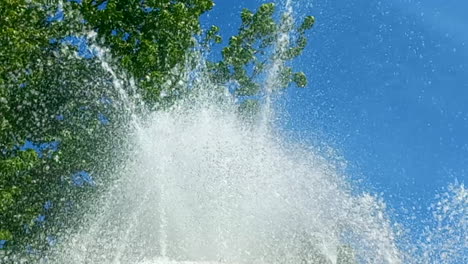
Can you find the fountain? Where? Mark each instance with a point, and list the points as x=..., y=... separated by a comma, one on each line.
x=204, y=186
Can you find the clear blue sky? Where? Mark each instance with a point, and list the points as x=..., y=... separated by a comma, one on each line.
x=388, y=89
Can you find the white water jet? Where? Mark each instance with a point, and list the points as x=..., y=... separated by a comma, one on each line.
x=230, y=194
x=272, y=82
x=203, y=186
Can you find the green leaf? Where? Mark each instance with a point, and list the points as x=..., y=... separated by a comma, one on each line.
x=307, y=24
x=300, y=79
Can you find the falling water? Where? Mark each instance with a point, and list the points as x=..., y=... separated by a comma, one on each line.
x=272, y=82
x=202, y=185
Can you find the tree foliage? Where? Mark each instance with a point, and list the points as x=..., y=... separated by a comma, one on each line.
x=24, y=38
x=148, y=38
x=65, y=106
x=247, y=56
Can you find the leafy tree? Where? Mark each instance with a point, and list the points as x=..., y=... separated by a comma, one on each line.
x=246, y=56
x=50, y=96
x=260, y=43
x=14, y=174
x=23, y=38
x=148, y=38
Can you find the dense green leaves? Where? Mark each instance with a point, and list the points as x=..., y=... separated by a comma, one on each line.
x=262, y=41
x=23, y=38
x=14, y=174
x=51, y=95
x=149, y=38
x=307, y=23
x=48, y=95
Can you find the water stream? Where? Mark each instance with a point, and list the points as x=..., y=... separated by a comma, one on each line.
x=204, y=186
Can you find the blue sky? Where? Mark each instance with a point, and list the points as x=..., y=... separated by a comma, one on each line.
x=388, y=89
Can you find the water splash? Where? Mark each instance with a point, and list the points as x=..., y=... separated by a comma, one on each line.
x=227, y=193
x=445, y=236
x=272, y=82
x=203, y=186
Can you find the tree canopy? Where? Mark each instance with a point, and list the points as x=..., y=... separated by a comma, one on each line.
x=60, y=120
